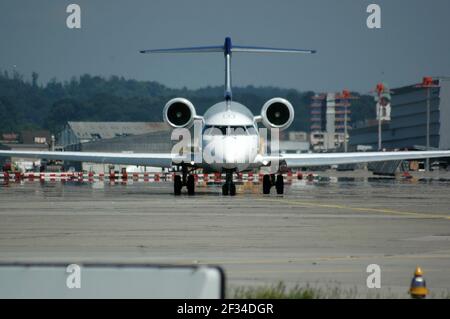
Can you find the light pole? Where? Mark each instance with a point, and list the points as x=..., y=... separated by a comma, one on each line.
x=379, y=90
x=383, y=99
x=428, y=128
x=428, y=84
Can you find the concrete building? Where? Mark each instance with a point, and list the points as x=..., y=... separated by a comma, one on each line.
x=128, y=137
x=407, y=127
x=29, y=140
x=75, y=133
x=296, y=142
x=293, y=147
x=9, y=138
x=36, y=137
x=298, y=136
x=4, y=160
x=327, y=126
x=325, y=141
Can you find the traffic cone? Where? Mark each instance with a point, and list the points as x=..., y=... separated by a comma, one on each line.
x=418, y=288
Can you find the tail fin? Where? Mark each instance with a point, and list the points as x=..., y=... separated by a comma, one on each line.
x=227, y=48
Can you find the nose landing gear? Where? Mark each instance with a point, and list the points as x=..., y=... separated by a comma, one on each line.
x=229, y=188
x=190, y=184
x=270, y=180
x=186, y=179
x=177, y=185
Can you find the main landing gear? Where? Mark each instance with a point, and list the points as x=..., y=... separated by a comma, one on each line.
x=185, y=179
x=270, y=180
x=229, y=188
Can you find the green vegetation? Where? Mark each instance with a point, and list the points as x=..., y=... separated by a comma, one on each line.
x=25, y=104
x=281, y=291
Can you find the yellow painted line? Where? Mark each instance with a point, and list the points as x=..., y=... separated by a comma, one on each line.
x=278, y=271
x=318, y=271
x=288, y=261
x=359, y=209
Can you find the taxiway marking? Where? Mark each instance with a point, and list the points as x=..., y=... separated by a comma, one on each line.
x=308, y=259
x=359, y=209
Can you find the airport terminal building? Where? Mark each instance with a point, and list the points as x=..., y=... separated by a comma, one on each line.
x=408, y=124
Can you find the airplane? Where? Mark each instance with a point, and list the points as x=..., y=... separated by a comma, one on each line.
x=232, y=130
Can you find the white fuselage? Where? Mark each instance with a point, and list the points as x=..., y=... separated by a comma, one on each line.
x=230, y=139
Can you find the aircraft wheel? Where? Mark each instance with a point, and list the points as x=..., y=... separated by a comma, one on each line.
x=177, y=185
x=225, y=189
x=279, y=184
x=267, y=184
x=232, y=189
x=191, y=185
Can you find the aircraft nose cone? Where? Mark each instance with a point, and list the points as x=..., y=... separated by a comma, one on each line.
x=229, y=152
x=237, y=150
x=232, y=150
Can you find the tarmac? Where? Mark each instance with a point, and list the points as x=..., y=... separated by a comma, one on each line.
x=322, y=234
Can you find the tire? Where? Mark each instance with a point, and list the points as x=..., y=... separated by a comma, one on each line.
x=279, y=184
x=267, y=184
x=177, y=185
x=225, y=189
x=232, y=189
x=191, y=185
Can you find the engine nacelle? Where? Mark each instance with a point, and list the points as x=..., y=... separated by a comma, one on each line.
x=277, y=113
x=179, y=113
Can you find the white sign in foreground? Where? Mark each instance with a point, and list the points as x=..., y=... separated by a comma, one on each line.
x=91, y=281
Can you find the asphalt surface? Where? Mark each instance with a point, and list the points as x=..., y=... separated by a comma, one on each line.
x=324, y=234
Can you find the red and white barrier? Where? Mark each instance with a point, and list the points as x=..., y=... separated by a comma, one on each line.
x=91, y=177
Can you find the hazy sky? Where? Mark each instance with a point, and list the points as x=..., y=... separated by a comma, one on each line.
x=413, y=41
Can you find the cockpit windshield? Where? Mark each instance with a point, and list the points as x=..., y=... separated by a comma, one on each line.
x=229, y=130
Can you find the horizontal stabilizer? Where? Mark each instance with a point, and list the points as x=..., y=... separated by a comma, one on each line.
x=269, y=50
x=227, y=48
x=186, y=50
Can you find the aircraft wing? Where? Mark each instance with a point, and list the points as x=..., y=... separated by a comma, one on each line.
x=147, y=159
x=319, y=159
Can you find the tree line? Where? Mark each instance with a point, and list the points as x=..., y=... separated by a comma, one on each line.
x=28, y=105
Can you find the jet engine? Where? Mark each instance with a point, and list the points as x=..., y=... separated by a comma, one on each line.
x=277, y=113
x=179, y=113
